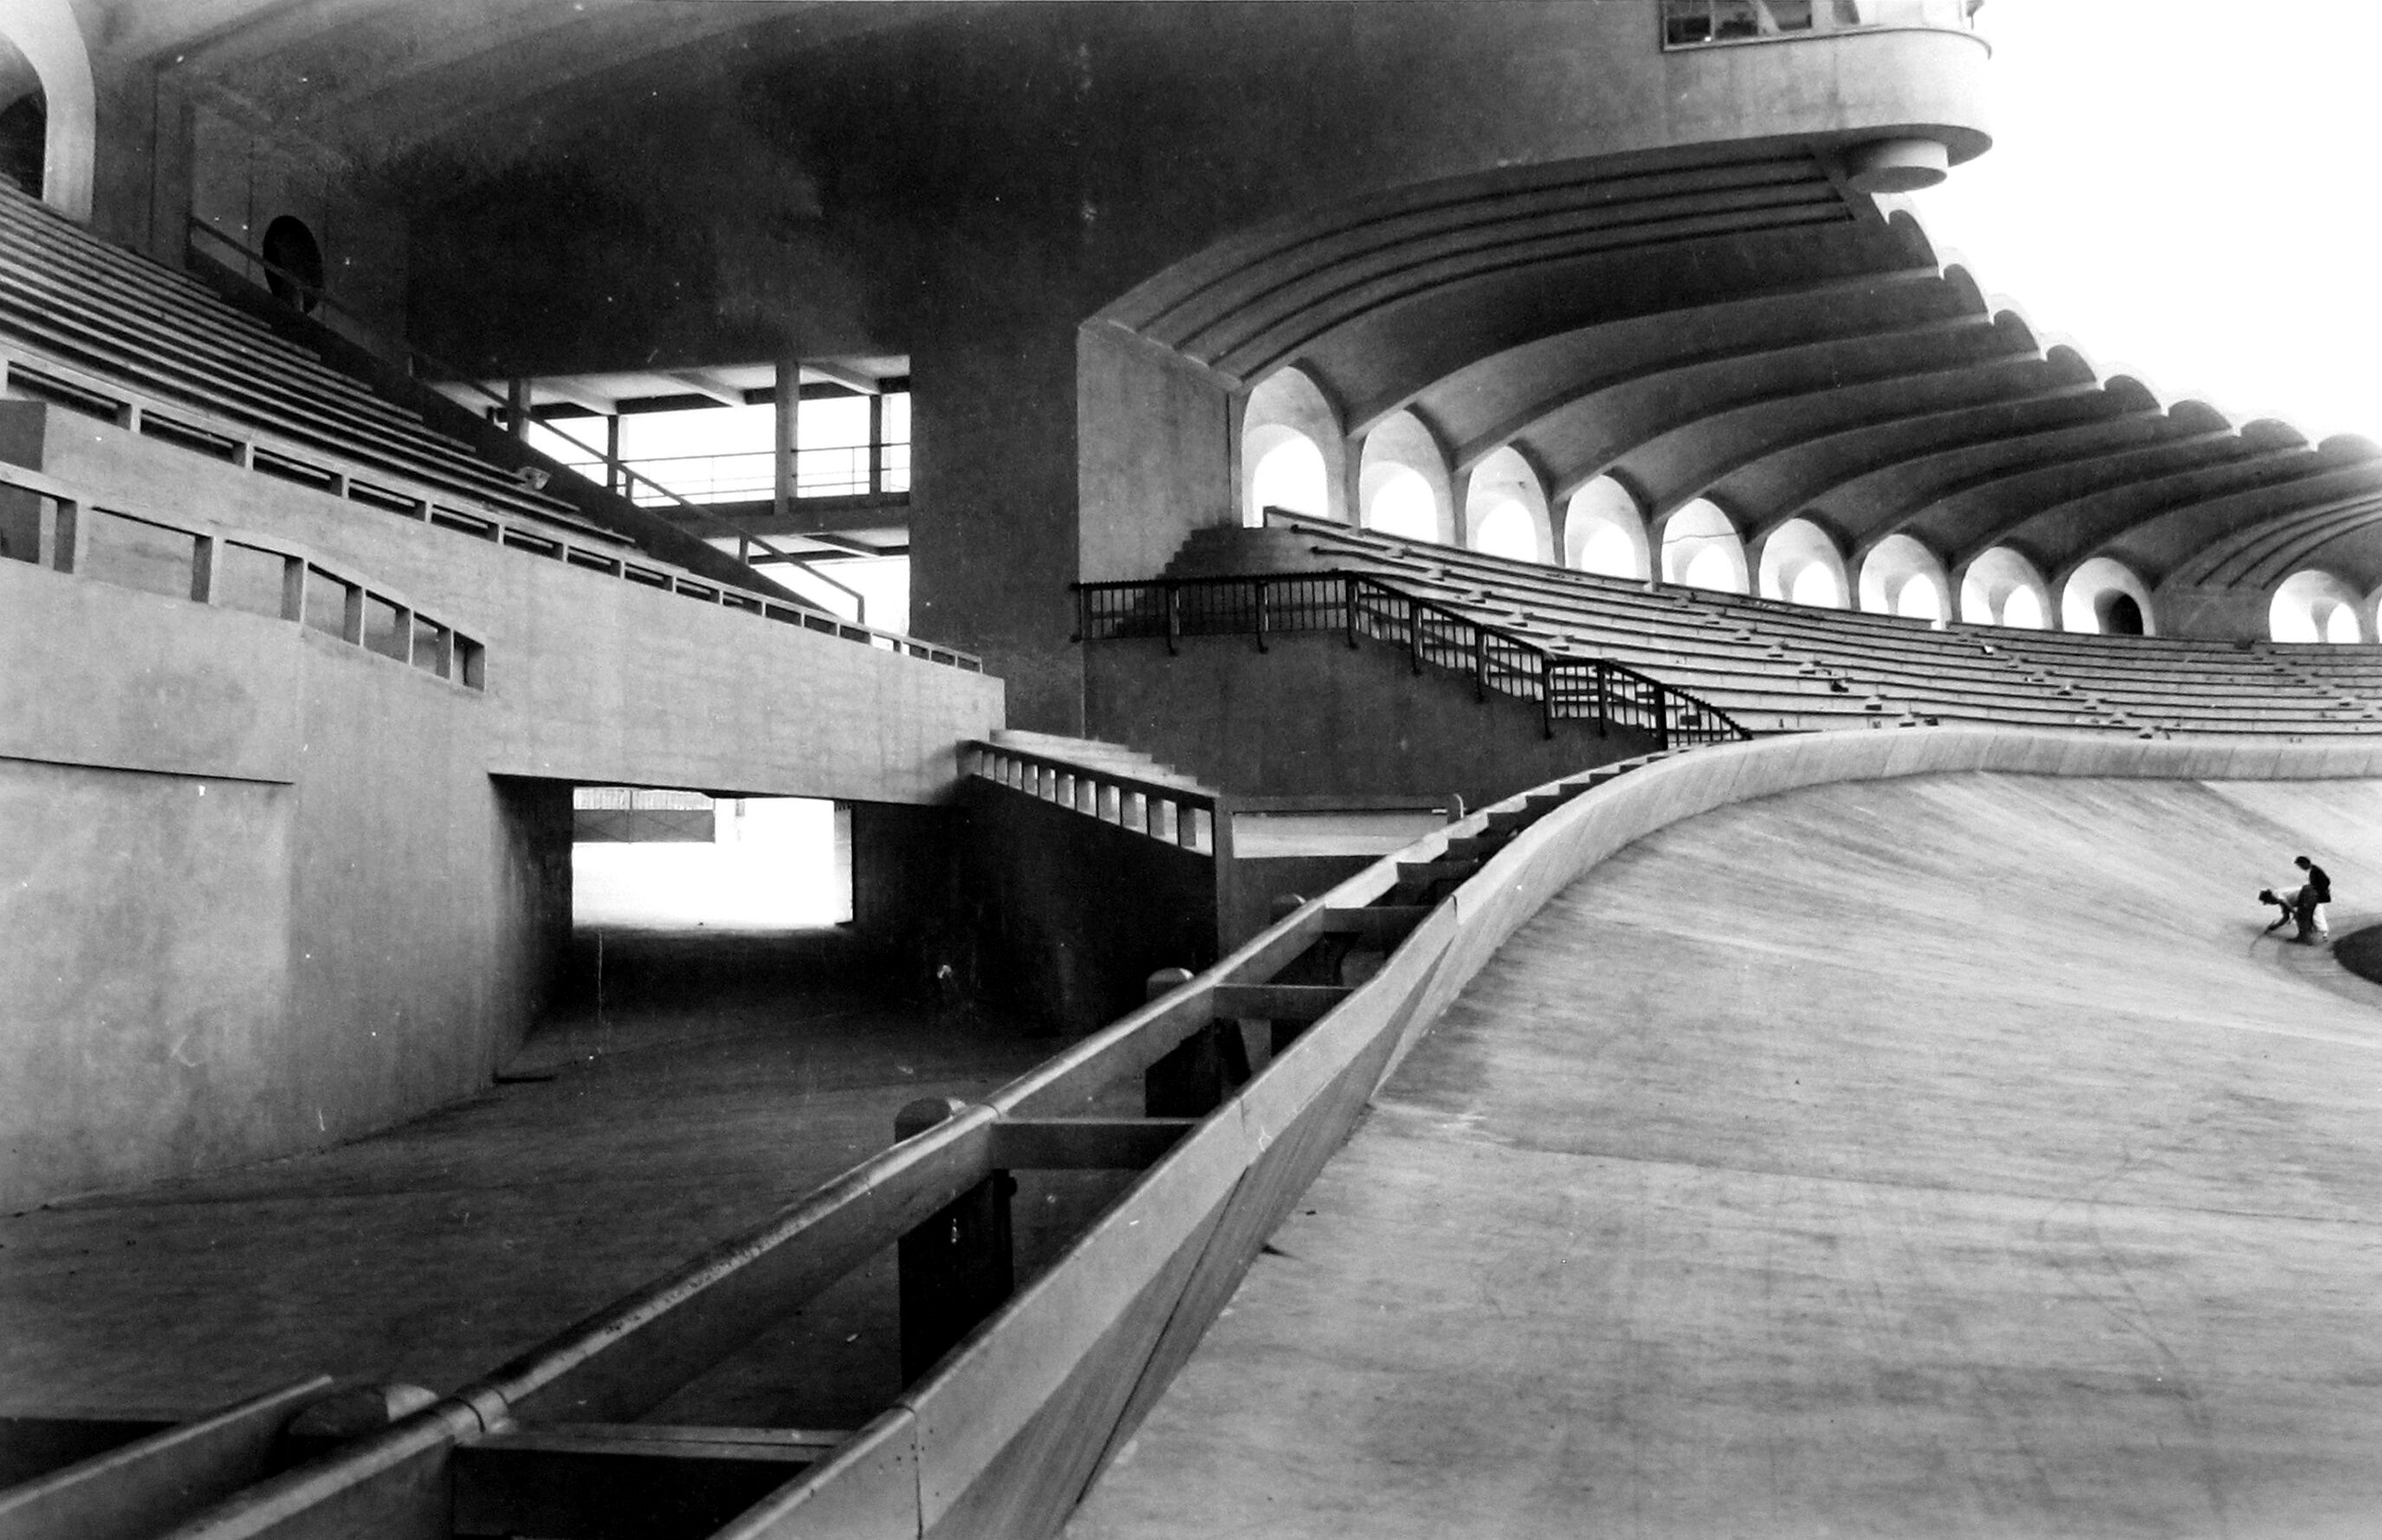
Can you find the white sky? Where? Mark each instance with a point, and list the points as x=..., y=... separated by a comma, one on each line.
x=2187, y=190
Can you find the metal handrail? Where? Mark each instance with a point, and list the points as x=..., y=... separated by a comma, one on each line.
x=1498, y=659
x=854, y=480
x=415, y=356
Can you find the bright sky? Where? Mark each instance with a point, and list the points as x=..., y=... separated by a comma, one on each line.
x=2187, y=190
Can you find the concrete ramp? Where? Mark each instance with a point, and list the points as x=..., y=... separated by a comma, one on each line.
x=1949, y=1155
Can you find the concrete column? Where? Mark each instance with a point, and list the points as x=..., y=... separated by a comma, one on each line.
x=876, y=444
x=958, y=1266
x=789, y=437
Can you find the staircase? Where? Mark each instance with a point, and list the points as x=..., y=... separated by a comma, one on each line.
x=1100, y=757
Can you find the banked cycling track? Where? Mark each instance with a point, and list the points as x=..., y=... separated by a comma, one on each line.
x=1914, y=1134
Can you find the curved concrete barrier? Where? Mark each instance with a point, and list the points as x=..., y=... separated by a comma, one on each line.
x=1008, y=1432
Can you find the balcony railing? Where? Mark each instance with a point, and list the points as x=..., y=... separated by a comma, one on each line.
x=49, y=524
x=1566, y=688
x=748, y=476
x=1188, y=819
x=1696, y=23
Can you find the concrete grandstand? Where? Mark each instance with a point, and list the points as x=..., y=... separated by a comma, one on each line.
x=1531, y=763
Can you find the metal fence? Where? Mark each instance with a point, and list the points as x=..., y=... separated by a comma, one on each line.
x=1360, y=606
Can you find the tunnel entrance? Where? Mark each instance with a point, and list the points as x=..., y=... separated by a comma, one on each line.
x=654, y=859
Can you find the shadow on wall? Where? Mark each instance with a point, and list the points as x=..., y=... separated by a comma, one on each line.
x=1069, y=916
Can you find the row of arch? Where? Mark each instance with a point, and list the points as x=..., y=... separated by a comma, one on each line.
x=1402, y=485
x=48, y=104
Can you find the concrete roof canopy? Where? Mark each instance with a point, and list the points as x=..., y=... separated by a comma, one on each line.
x=1730, y=305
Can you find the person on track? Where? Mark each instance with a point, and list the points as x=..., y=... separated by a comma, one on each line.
x=2315, y=894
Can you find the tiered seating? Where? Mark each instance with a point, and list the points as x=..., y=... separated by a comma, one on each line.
x=2177, y=685
x=86, y=324
x=1782, y=668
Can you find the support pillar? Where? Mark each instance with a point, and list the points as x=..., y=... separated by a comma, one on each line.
x=789, y=433
x=876, y=444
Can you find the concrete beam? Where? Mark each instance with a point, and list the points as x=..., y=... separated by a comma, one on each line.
x=1965, y=515
x=850, y=379
x=702, y=383
x=1850, y=353
x=1863, y=477
x=1675, y=445
x=2289, y=479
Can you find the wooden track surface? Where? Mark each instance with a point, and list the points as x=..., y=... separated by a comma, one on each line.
x=1942, y=1157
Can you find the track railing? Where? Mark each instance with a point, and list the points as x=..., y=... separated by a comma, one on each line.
x=1360, y=606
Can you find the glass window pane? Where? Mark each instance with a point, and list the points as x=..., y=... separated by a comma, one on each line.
x=21, y=525
x=430, y=648
x=326, y=603
x=384, y=629
x=551, y=443
x=248, y=579
x=146, y=557
x=834, y=423
x=703, y=454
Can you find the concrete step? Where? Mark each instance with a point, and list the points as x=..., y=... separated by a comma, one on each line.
x=1098, y=755
x=1223, y=550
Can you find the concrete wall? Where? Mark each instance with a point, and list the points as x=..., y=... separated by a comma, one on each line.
x=2221, y=614
x=258, y=889
x=1078, y=913
x=243, y=177
x=591, y=677
x=907, y=898
x=1313, y=716
x=1158, y=459
x=264, y=890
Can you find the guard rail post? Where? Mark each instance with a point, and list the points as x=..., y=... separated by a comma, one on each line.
x=959, y=1266
x=1192, y=1079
